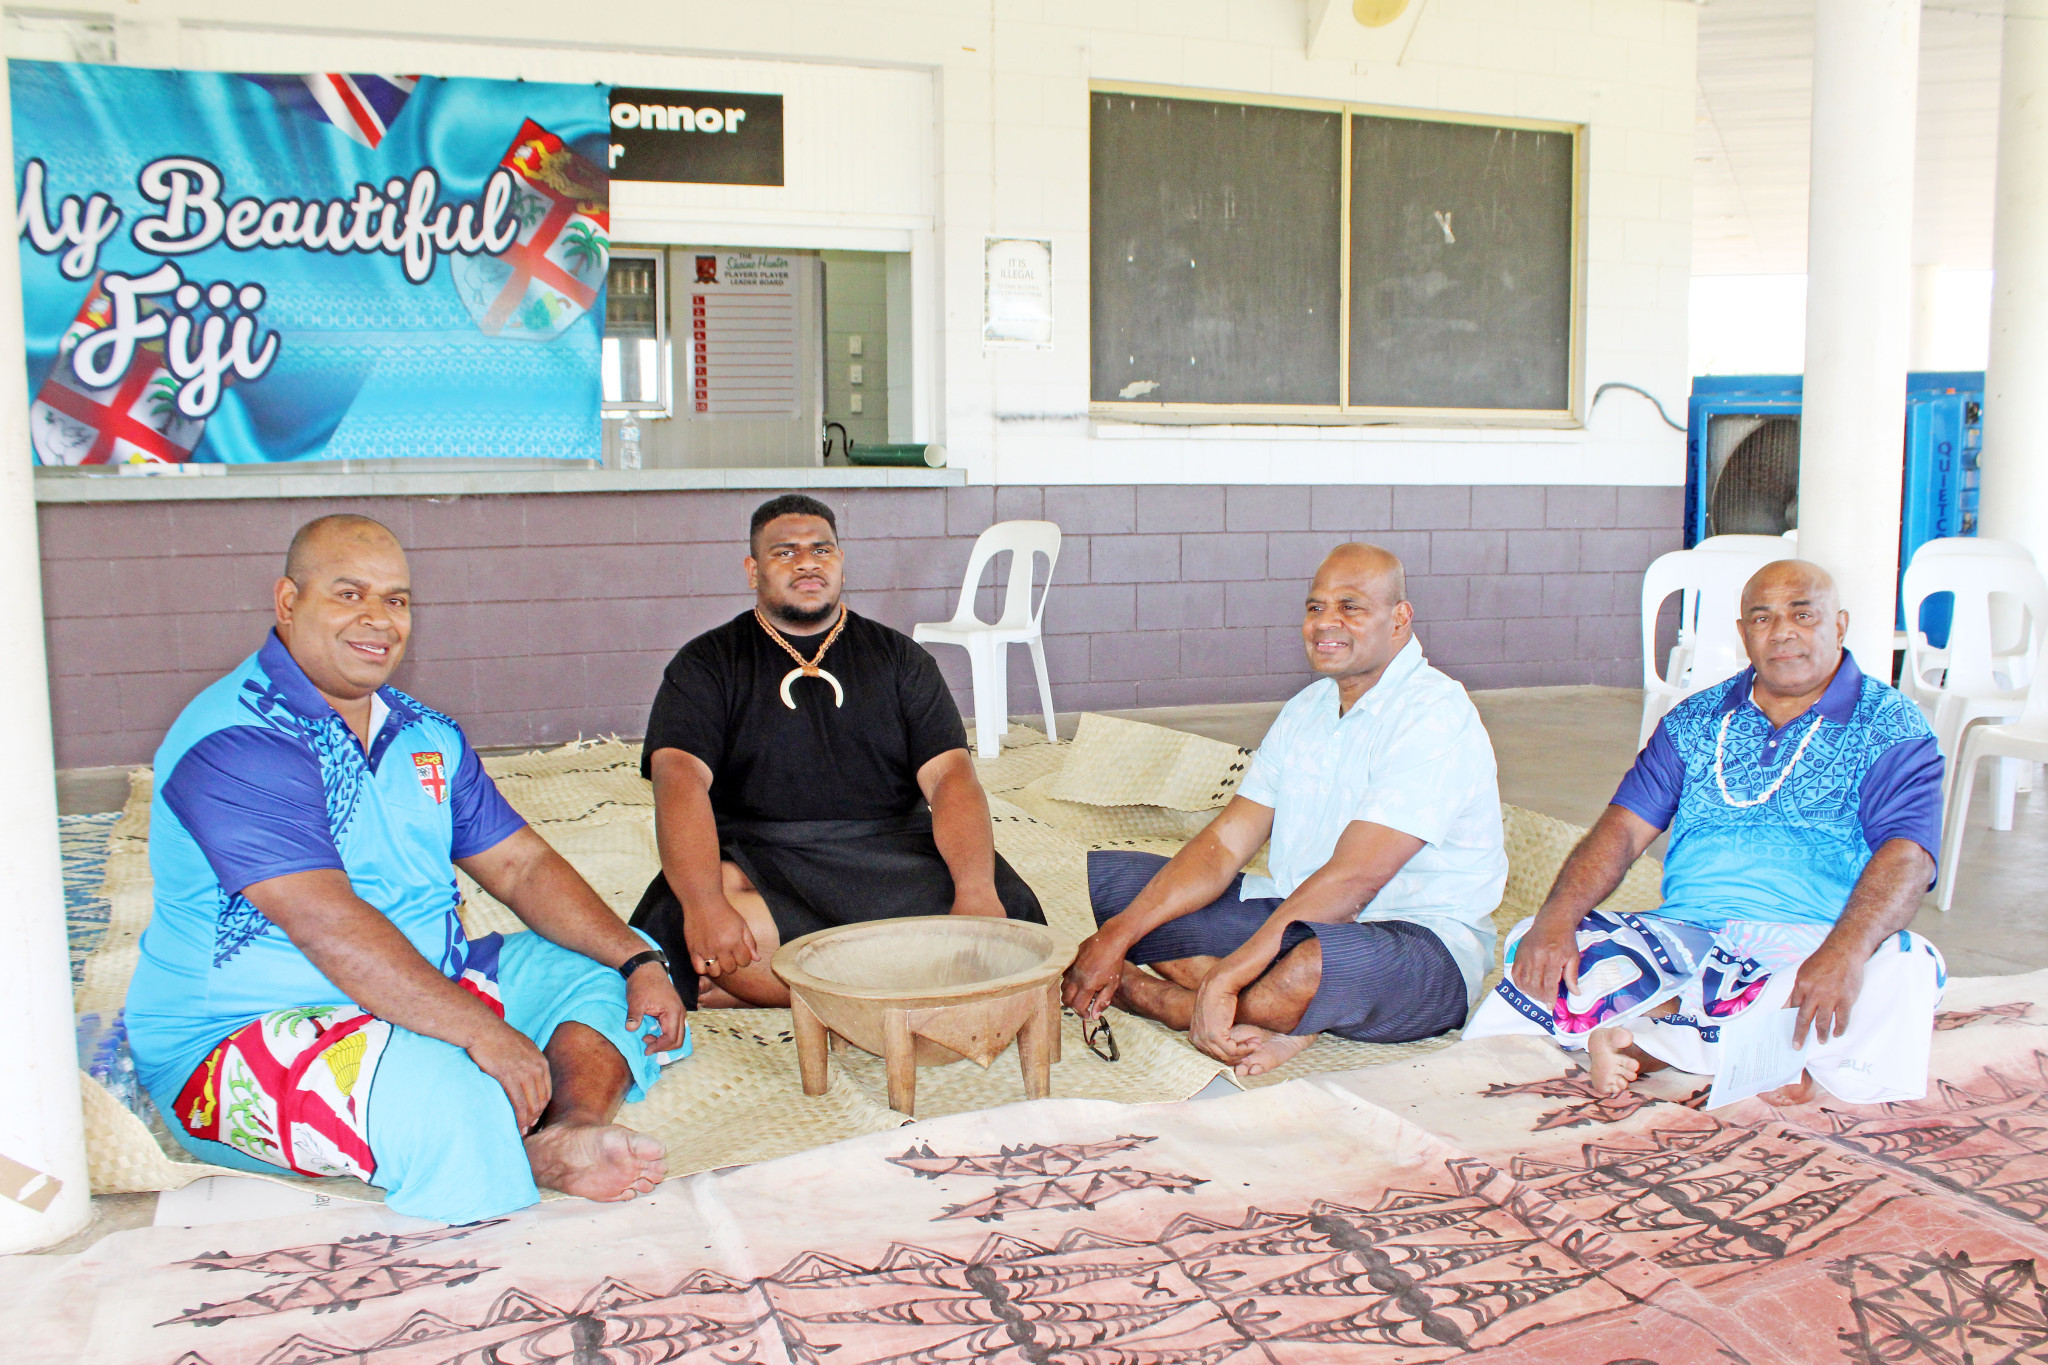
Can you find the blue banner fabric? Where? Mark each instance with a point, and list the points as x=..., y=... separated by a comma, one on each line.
x=244, y=268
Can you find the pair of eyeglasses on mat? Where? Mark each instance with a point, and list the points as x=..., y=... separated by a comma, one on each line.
x=1099, y=1039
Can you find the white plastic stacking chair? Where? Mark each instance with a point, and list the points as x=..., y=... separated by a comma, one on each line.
x=1709, y=646
x=1930, y=659
x=1970, y=680
x=2025, y=740
x=1975, y=545
x=988, y=643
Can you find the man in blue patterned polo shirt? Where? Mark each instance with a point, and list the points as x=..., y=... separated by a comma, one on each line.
x=1804, y=803
x=307, y=999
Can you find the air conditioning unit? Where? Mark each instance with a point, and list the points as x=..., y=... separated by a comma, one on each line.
x=1742, y=461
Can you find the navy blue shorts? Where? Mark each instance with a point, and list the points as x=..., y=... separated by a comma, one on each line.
x=1384, y=981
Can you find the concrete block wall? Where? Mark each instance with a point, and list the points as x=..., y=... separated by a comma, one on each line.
x=540, y=618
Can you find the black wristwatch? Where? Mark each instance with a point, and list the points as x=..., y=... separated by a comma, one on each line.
x=639, y=960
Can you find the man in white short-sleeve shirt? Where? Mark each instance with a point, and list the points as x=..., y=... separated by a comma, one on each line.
x=1377, y=787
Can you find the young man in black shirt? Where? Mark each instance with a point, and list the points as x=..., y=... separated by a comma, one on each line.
x=809, y=769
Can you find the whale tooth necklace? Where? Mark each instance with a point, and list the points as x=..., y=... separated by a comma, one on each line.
x=806, y=668
x=1770, y=791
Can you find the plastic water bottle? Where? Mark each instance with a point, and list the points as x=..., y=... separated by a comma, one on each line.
x=629, y=442
x=103, y=1054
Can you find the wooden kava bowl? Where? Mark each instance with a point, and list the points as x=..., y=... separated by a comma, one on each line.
x=927, y=991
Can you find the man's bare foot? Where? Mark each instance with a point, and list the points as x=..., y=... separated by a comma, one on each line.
x=595, y=1160
x=1142, y=993
x=1613, y=1063
x=1273, y=1050
x=1789, y=1096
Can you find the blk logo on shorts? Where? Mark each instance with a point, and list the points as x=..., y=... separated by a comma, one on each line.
x=433, y=776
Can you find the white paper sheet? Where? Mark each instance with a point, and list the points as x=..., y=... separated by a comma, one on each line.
x=1756, y=1047
x=234, y=1199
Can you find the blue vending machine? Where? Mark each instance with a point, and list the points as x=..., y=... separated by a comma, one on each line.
x=1742, y=462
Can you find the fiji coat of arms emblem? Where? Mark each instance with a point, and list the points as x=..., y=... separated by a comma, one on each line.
x=432, y=773
x=553, y=273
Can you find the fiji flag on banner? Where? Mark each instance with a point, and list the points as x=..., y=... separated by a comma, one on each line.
x=361, y=107
x=132, y=418
x=334, y=266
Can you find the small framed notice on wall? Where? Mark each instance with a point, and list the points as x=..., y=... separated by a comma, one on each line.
x=1017, y=295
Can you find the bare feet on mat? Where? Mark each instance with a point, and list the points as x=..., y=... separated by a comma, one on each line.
x=596, y=1161
x=1273, y=1050
x=1614, y=1065
x=1787, y=1096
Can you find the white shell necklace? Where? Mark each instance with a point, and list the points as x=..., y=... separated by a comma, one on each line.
x=1721, y=738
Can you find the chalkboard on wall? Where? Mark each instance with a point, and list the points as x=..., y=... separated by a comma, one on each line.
x=1216, y=246
x=1218, y=272
x=1461, y=265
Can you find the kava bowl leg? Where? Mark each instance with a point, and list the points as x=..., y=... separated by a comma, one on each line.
x=810, y=1045
x=1034, y=1054
x=899, y=1051
x=1052, y=1017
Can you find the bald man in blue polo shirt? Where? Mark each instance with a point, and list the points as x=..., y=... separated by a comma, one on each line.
x=1804, y=804
x=307, y=999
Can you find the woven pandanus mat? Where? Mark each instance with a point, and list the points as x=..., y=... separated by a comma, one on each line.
x=1108, y=822
x=1537, y=846
x=1129, y=763
x=738, y=1098
x=1052, y=861
x=572, y=783
x=1025, y=757
x=103, y=986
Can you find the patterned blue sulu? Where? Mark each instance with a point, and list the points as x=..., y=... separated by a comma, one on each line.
x=1771, y=828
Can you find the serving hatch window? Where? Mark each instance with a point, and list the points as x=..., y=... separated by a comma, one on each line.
x=636, y=333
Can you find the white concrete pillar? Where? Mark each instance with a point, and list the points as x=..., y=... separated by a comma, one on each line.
x=1859, y=259
x=1922, y=352
x=2015, y=459
x=44, y=1194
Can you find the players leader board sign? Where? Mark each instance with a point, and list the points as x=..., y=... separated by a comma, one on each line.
x=744, y=331
x=240, y=268
x=705, y=137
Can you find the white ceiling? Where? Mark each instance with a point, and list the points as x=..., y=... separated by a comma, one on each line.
x=1751, y=148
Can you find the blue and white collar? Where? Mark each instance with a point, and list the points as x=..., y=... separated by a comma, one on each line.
x=390, y=710
x=1837, y=703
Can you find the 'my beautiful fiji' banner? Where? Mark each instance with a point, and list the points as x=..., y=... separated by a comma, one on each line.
x=242, y=268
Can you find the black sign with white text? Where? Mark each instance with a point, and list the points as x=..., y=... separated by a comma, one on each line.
x=706, y=137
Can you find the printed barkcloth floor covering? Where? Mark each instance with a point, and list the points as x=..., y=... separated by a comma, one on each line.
x=739, y=1098
x=1477, y=1203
